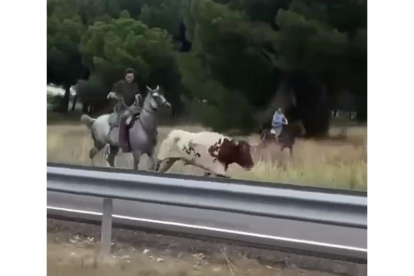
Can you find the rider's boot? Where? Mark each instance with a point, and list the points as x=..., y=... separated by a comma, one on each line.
x=128, y=120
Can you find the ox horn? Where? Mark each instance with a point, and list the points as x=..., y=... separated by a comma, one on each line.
x=158, y=87
x=149, y=88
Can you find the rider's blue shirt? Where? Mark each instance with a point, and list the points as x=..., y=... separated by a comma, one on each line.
x=278, y=119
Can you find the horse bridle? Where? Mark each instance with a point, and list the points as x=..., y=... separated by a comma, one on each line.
x=151, y=112
x=162, y=103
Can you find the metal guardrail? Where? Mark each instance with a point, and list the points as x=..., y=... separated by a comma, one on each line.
x=349, y=210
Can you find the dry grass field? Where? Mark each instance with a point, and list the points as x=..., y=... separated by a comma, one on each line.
x=340, y=162
x=81, y=259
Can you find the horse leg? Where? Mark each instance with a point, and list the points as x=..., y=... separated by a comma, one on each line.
x=291, y=151
x=275, y=140
x=110, y=159
x=152, y=161
x=97, y=147
x=92, y=153
x=136, y=156
x=106, y=153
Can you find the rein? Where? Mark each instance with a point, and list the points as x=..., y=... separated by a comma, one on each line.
x=155, y=109
x=149, y=111
x=152, y=111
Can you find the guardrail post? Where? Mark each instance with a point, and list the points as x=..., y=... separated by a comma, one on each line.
x=106, y=229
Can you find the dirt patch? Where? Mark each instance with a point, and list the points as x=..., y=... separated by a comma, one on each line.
x=73, y=250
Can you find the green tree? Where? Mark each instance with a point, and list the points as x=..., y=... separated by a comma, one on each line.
x=164, y=14
x=64, y=62
x=251, y=46
x=231, y=50
x=109, y=48
x=211, y=103
x=244, y=53
x=168, y=15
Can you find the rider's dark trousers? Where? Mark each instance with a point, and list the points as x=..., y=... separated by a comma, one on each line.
x=123, y=128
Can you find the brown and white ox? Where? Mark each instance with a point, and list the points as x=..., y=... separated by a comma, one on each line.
x=210, y=151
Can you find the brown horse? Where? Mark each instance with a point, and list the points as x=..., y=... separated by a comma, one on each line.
x=287, y=138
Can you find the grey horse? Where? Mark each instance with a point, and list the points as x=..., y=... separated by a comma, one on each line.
x=142, y=131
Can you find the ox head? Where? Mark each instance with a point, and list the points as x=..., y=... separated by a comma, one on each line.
x=241, y=154
x=156, y=98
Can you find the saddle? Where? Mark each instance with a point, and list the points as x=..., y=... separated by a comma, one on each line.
x=132, y=121
x=115, y=120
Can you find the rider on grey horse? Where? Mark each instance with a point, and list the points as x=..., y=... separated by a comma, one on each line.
x=128, y=91
x=278, y=121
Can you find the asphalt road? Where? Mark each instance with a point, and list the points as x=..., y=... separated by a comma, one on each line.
x=330, y=240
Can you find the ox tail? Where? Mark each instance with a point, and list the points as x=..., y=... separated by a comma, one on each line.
x=88, y=121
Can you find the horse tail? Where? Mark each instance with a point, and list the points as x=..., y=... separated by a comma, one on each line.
x=88, y=121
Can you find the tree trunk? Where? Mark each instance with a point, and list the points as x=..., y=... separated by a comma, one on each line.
x=362, y=112
x=65, y=102
x=313, y=107
x=74, y=102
